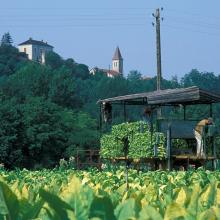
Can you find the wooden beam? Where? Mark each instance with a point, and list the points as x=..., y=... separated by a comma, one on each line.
x=169, y=149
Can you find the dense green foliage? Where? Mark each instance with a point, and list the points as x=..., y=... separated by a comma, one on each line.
x=59, y=194
x=141, y=141
x=38, y=132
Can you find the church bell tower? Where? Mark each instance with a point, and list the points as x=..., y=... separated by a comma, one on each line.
x=117, y=61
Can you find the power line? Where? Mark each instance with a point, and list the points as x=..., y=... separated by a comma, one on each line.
x=9, y=16
x=78, y=18
x=104, y=20
x=192, y=14
x=78, y=8
x=191, y=30
x=192, y=22
x=70, y=25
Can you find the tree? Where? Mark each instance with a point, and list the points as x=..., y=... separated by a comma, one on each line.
x=38, y=133
x=6, y=40
x=30, y=80
x=134, y=75
x=10, y=60
x=63, y=89
x=205, y=80
x=81, y=71
x=174, y=81
x=10, y=130
x=53, y=60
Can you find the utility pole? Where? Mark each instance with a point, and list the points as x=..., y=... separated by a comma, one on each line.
x=158, y=46
x=156, y=15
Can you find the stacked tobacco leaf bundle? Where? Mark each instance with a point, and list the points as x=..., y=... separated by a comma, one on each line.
x=141, y=141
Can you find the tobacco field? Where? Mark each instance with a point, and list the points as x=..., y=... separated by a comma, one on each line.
x=82, y=195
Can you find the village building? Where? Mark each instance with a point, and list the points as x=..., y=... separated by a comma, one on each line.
x=35, y=49
x=117, y=66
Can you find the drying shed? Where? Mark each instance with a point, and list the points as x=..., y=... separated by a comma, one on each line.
x=173, y=129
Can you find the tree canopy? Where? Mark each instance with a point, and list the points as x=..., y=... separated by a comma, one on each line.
x=6, y=40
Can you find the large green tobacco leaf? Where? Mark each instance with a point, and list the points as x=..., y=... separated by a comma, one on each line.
x=3, y=207
x=59, y=206
x=192, y=209
x=149, y=213
x=128, y=210
x=210, y=214
x=102, y=208
x=212, y=195
x=32, y=212
x=175, y=211
x=78, y=196
x=8, y=202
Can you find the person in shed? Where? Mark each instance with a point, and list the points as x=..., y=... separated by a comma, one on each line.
x=147, y=117
x=107, y=112
x=199, y=132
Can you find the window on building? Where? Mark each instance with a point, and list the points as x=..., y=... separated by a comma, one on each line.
x=25, y=50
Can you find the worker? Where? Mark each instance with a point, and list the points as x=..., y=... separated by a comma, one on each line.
x=199, y=132
x=107, y=112
x=147, y=118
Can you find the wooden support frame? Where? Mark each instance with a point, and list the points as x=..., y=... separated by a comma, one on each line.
x=184, y=112
x=214, y=154
x=210, y=110
x=100, y=118
x=169, y=149
x=124, y=111
x=92, y=159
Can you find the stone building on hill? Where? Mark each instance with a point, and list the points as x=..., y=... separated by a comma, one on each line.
x=117, y=66
x=35, y=49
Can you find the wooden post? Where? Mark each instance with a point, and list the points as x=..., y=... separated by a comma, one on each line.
x=187, y=166
x=214, y=154
x=169, y=148
x=77, y=160
x=126, y=174
x=125, y=116
x=204, y=141
x=100, y=119
x=210, y=110
x=90, y=157
x=155, y=151
x=184, y=112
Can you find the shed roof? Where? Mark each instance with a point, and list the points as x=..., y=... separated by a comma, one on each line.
x=185, y=96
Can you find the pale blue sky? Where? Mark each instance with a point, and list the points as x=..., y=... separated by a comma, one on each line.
x=90, y=30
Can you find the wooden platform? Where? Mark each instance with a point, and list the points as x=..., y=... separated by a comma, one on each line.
x=180, y=157
x=144, y=159
x=177, y=162
x=192, y=157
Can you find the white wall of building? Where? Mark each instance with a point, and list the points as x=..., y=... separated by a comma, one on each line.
x=26, y=49
x=35, y=52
